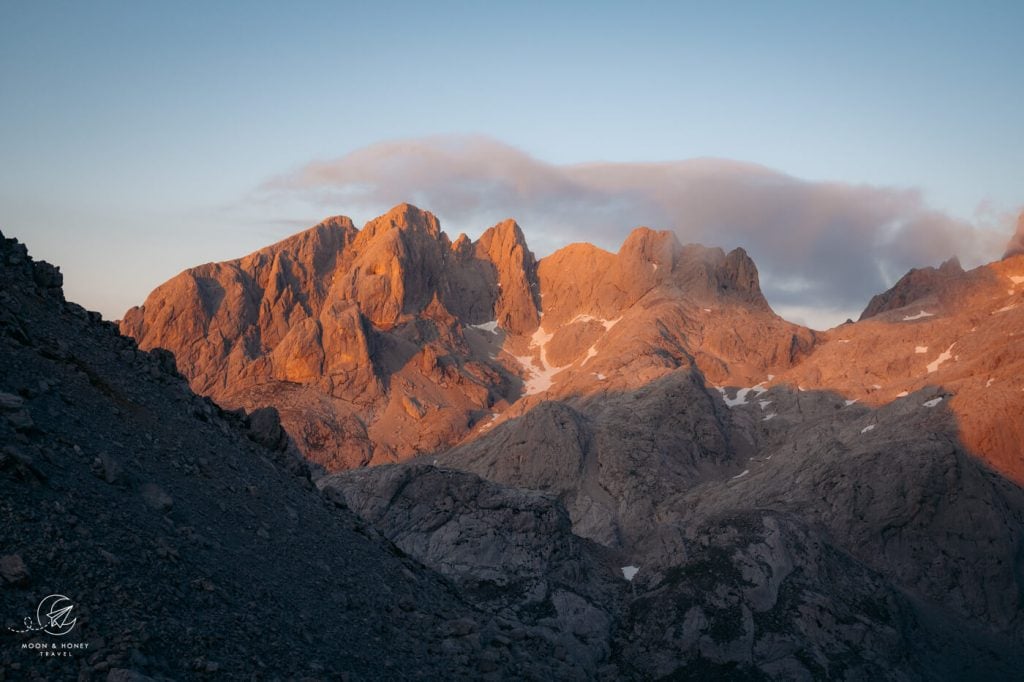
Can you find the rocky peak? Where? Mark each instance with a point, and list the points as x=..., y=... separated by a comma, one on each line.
x=462, y=245
x=650, y=246
x=46, y=279
x=646, y=258
x=762, y=532
x=404, y=218
x=708, y=275
x=916, y=285
x=740, y=276
x=1016, y=244
x=579, y=279
x=951, y=267
x=516, y=307
x=398, y=266
x=318, y=246
x=338, y=327
x=503, y=238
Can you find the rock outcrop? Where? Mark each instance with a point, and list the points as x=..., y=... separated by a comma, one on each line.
x=382, y=343
x=510, y=549
x=748, y=601
x=924, y=286
x=190, y=540
x=624, y=466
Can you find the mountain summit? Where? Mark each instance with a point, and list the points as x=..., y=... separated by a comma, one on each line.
x=381, y=343
x=739, y=462
x=632, y=468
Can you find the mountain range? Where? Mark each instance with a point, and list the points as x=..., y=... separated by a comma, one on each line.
x=626, y=459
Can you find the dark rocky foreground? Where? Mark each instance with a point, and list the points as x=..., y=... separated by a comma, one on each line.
x=191, y=541
x=195, y=545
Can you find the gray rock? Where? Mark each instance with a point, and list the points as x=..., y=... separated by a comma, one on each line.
x=761, y=595
x=510, y=550
x=20, y=420
x=460, y=627
x=325, y=582
x=113, y=470
x=47, y=276
x=265, y=428
x=156, y=498
x=13, y=570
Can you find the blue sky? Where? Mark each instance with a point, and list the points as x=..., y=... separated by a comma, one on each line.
x=135, y=138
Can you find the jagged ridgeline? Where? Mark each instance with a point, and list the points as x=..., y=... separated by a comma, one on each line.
x=390, y=341
x=609, y=465
x=189, y=542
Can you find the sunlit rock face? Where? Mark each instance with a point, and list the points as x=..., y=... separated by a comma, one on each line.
x=381, y=343
x=628, y=457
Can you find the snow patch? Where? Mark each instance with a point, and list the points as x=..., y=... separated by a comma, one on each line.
x=764, y=403
x=591, y=352
x=769, y=416
x=655, y=266
x=867, y=428
x=629, y=572
x=491, y=326
x=921, y=349
x=741, y=474
x=707, y=310
x=740, y=399
x=540, y=339
x=1007, y=307
x=932, y=403
x=600, y=377
x=989, y=383
x=919, y=315
x=844, y=341
x=904, y=394
x=541, y=379
x=933, y=366
x=876, y=386
x=1017, y=279
x=850, y=402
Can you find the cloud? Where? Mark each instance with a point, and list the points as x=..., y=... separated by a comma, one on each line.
x=823, y=248
x=1016, y=244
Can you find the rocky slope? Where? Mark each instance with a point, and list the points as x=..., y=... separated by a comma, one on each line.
x=510, y=550
x=893, y=443
x=798, y=504
x=949, y=330
x=381, y=343
x=192, y=541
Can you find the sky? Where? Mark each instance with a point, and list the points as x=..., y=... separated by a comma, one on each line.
x=839, y=143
